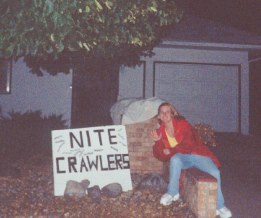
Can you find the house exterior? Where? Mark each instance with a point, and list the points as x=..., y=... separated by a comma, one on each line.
x=28, y=92
x=202, y=68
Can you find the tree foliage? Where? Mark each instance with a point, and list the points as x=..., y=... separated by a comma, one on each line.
x=112, y=29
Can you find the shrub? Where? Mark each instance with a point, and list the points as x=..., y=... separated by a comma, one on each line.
x=207, y=134
x=26, y=134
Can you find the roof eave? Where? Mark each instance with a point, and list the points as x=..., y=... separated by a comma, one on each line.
x=210, y=45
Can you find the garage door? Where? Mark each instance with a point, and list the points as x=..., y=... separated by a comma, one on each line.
x=202, y=93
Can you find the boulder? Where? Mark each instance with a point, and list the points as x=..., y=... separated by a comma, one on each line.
x=112, y=190
x=74, y=188
x=135, y=110
x=95, y=193
x=85, y=184
x=153, y=182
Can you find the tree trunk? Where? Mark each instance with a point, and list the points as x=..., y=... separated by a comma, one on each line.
x=95, y=90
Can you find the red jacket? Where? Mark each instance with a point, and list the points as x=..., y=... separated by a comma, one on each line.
x=188, y=139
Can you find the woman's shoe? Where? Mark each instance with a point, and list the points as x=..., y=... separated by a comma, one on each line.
x=224, y=212
x=166, y=199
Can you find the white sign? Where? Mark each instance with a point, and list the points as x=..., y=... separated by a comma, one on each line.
x=99, y=154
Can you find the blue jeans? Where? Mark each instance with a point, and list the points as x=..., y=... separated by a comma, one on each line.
x=184, y=161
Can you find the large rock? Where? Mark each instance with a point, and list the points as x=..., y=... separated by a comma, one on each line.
x=118, y=109
x=85, y=184
x=153, y=182
x=74, y=188
x=95, y=193
x=112, y=190
x=133, y=110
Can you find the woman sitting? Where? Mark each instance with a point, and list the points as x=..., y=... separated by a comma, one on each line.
x=176, y=140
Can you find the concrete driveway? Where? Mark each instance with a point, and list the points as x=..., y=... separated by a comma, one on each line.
x=240, y=157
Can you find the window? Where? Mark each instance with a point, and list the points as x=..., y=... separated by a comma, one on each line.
x=5, y=76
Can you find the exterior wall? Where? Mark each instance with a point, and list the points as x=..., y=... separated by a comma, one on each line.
x=189, y=55
x=137, y=77
x=140, y=148
x=200, y=192
x=49, y=94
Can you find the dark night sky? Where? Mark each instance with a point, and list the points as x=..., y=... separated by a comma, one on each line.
x=242, y=14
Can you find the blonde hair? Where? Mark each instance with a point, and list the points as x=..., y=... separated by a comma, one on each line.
x=173, y=110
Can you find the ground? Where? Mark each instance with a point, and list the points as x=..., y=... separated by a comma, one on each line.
x=27, y=191
x=240, y=156
x=26, y=188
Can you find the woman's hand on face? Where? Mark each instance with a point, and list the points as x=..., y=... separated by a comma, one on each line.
x=154, y=135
